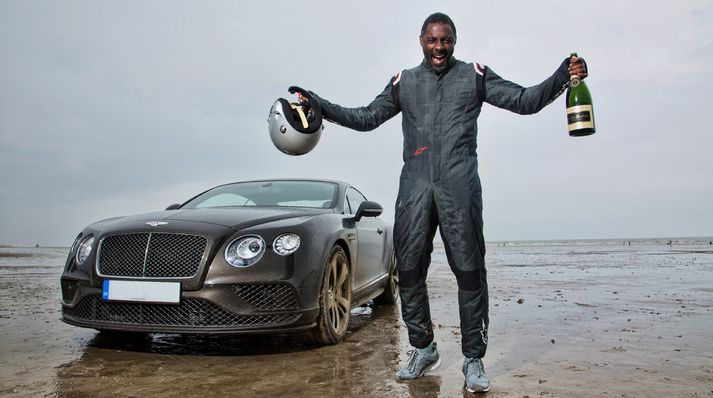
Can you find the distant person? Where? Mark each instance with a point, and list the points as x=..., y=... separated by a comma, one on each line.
x=440, y=101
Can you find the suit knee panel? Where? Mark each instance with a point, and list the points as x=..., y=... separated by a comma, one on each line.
x=409, y=278
x=467, y=280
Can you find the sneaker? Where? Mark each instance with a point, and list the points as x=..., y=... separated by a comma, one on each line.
x=475, y=378
x=420, y=361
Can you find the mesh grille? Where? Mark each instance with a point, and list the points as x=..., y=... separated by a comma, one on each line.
x=151, y=255
x=174, y=255
x=123, y=255
x=190, y=313
x=268, y=296
x=69, y=288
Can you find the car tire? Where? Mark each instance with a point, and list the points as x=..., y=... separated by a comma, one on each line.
x=391, y=290
x=335, y=301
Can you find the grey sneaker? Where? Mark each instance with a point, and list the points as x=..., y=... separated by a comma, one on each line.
x=475, y=378
x=420, y=361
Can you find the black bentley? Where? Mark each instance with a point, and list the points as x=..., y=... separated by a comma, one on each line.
x=248, y=257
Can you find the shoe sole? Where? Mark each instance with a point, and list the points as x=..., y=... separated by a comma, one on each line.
x=476, y=391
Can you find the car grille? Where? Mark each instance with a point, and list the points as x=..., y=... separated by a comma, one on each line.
x=275, y=296
x=151, y=255
x=189, y=313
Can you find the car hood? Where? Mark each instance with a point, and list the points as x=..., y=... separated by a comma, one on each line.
x=242, y=217
x=236, y=218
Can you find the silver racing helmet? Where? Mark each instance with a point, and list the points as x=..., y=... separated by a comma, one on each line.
x=295, y=128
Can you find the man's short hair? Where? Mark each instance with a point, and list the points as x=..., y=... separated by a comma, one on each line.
x=438, y=17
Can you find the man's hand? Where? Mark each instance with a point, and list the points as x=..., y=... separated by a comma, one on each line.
x=578, y=67
x=302, y=99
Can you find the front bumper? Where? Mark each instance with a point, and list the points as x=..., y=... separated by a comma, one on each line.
x=270, y=307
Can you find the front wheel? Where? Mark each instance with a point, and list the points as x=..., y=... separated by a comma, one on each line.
x=391, y=290
x=335, y=301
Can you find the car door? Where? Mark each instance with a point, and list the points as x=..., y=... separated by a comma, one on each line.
x=370, y=242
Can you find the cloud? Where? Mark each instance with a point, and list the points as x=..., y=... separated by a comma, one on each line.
x=108, y=108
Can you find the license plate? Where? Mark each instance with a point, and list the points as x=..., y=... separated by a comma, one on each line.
x=145, y=291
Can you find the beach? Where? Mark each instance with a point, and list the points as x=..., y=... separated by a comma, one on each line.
x=578, y=318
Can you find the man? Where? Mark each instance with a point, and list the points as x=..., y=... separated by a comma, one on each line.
x=440, y=101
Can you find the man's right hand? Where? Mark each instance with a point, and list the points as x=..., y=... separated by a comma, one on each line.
x=578, y=67
x=302, y=100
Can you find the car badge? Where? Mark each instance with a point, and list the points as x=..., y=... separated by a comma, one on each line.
x=156, y=223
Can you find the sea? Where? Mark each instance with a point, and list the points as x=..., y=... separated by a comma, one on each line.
x=533, y=252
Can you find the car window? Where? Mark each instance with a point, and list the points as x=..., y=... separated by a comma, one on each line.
x=295, y=193
x=225, y=199
x=354, y=199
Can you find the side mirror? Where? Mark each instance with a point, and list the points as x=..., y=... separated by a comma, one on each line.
x=173, y=206
x=368, y=209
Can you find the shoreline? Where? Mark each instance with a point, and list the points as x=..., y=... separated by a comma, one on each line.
x=650, y=240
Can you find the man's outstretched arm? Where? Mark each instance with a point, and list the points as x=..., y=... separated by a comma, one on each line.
x=365, y=118
x=528, y=100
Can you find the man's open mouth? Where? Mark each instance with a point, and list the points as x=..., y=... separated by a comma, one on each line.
x=438, y=59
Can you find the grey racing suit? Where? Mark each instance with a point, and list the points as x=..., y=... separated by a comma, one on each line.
x=439, y=184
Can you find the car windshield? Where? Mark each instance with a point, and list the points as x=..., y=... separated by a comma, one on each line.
x=315, y=194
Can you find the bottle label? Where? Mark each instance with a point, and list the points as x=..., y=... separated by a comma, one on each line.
x=580, y=117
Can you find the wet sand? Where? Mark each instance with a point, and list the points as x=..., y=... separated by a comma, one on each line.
x=568, y=319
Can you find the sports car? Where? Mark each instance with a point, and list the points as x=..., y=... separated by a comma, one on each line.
x=268, y=256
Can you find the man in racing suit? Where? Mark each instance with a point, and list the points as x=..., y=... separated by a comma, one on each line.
x=440, y=101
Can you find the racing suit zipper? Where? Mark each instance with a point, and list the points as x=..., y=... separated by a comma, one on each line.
x=437, y=132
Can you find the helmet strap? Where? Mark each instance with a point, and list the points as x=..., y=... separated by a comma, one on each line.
x=302, y=115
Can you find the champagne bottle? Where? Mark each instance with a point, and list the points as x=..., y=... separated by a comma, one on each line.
x=580, y=114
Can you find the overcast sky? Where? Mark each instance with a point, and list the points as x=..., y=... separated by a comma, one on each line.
x=123, y=107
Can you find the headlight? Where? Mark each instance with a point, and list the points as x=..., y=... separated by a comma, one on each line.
x=245, y=251
x=85, y=248
x=286, y=244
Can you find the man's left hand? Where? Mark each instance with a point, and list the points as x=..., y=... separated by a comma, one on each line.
x=578, y=67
